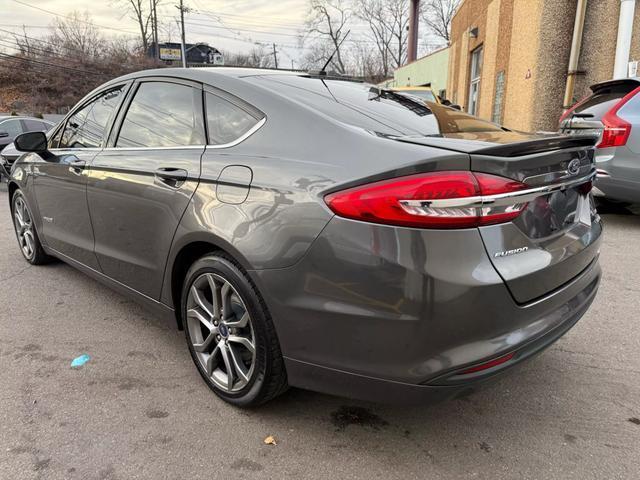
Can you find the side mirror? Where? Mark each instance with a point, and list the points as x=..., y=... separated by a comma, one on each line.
x=31, y=142
x=4, y=134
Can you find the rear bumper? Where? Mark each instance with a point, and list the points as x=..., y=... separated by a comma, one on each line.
x=618, y=176
x=387, y=314
x=350, y=385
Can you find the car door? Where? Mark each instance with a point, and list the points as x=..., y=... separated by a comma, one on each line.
x=61, y=180
x=140, y=185
x=9, y=130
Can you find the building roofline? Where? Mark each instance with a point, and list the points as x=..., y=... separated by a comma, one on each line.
x=458, y=9
x=425, y=56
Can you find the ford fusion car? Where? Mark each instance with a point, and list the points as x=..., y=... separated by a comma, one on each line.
x=314, y=232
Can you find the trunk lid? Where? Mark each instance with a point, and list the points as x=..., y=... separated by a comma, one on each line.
x=557, y=235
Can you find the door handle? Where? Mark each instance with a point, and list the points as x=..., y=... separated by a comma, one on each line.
x=77, y=166
x=174, y=177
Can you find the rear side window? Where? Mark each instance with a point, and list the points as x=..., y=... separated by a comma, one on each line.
x=88, y=126
x=163, y=114
x=603, y=100
x=226, y=122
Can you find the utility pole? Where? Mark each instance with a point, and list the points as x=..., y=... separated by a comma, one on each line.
x=412, y=45
x=275, y=56
x=155, y=29
x=183, y=9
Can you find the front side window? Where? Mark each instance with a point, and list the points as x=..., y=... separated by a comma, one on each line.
x=226, y=122
x=36, y=126
x=11, y=127
x=162, y=115
x=87, y=127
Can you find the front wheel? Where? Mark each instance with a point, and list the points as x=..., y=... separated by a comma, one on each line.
x=26, y=234
x=230, y=335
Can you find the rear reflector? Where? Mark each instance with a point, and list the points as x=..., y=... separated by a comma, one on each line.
x=487, y=365
x=415, y=200
x=616, y=130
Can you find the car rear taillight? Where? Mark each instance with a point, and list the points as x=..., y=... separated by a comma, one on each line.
x=616, y=130
x=429, y=200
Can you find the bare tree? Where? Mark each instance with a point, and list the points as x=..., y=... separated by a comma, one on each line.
x=327, y=21
x=57, y=69
x=142, y=12
x=77, y=35
x=437, y=15
x=256, y=57
x=388, y=21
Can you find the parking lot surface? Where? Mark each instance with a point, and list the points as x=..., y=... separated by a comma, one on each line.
x=138, y=408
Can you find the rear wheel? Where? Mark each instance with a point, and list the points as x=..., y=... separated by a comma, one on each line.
x=230, y=335
x=26, y=234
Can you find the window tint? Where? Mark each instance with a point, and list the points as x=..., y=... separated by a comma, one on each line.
x=162, y=115
x=88, y=127
x=226, y=122
x=12, y=127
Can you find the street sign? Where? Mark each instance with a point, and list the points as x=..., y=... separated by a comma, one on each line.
x=170, y=53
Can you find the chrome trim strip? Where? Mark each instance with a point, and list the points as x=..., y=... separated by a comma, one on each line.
x=500, y=199
x=124, y=149
x=240, y=139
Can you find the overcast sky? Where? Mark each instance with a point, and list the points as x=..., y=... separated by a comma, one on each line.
x=229, y=25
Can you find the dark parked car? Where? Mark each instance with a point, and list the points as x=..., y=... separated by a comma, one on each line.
x=317, y=232
x=612, y=112
x=10, y=128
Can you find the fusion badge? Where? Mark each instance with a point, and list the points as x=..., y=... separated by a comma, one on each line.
x=508, y=253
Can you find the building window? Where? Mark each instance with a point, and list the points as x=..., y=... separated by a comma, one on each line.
x=474, y=83
x=496, y=116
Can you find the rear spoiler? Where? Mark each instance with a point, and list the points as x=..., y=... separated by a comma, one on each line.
x=511, y=149
x=632, y=82
x=547, y=144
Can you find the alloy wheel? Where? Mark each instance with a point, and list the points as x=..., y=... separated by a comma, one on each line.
x=221, y=332
x=24, y=227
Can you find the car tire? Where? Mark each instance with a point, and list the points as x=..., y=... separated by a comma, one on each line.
x=220, y=333
x=24, y=226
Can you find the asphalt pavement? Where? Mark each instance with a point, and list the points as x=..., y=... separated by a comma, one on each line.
x=138, y=408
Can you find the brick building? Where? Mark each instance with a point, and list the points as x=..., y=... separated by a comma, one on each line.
x=508, y=59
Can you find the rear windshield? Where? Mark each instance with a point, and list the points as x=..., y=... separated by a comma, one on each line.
x=382, y=111
x=424, y=94
x=603, y=100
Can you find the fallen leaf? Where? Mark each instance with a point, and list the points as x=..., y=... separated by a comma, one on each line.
x=270, y=440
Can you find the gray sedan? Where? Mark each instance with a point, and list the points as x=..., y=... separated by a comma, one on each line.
x=317, y=232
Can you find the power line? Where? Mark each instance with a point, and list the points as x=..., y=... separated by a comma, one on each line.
x=30, y=60
x=42, y=51
x=75, y=19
